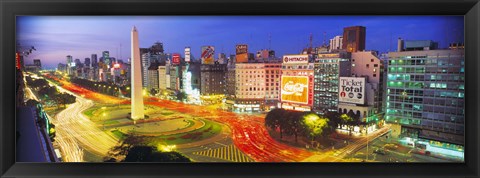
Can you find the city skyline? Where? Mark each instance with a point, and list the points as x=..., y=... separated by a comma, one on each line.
x=80, y=36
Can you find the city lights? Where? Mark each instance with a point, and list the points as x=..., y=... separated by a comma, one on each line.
x=176, y=98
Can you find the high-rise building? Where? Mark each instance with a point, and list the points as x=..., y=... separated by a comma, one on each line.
x=212, y=81
x=354, y=38
x=136, y=79
x=87, y=62
x=336, y=43
x=153, y=76
x=70, y=65
x=147, y=59
x=162, y=77
x=426, y=95
x=296, y=85
x=249, y=86
x=369, y=70
x=273, y=72
x=106, y=57
x=94, y=60
x=367, y=64
x=230, y=83
x=37, y=63
x=328, y=69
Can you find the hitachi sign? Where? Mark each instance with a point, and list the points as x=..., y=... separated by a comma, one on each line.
x=295, y=59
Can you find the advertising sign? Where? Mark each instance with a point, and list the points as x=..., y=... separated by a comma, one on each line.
x=176, y=58
x=294, y=89
x=17, y=60
x=241, y=51
x=295, y=59
x=187, y=54
x=207, y=54
x=351, y=90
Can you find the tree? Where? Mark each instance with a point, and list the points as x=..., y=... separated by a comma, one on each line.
x=334, y=118
x=149, y=154
x=314, y=125
x=347, y=120
x=275, y=119
x=119, y=151
x=181, y=96
x=153, y=91
x=293, y=124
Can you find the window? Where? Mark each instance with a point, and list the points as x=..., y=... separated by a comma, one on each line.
x=368, y=65
x=375, y=65
x=374, y=75
x=371, y=60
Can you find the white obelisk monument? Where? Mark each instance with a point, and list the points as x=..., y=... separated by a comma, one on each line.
x=136, y=78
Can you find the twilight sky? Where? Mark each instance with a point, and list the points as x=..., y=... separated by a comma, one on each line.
x=55, y=37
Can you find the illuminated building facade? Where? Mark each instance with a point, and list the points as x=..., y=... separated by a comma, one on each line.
x=328, y=68
x=367, y=65
x=212, y=83
x=296, y=84
x=425, y=95
x=249, y=86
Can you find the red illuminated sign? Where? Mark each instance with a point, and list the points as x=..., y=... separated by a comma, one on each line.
x=176, y=59
x=17, y=60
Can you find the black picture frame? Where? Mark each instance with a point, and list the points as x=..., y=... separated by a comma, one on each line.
x=11, y=8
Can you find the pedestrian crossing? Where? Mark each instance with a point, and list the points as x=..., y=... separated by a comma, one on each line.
x=229, y=153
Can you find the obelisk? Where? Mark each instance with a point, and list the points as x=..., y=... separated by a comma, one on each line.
x=136, y=78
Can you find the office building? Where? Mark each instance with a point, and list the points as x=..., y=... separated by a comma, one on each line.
x=328, y=68
x=212, y=82
x=296, y=85
x=336, y=44
x=425, y=95
x=354, y=38
x=153, y=76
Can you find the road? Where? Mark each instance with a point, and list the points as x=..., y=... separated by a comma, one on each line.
x=250, y=137
x=339, y=154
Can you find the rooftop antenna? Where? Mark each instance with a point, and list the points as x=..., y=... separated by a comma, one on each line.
x=390, y=46
x=311, y=40
x=269, y=41
x=324, y=37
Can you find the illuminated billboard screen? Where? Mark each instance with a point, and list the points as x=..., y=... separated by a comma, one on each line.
x=351, y=90
x=295, y=59
x=187, y=54
x=241, y=51
x=207, y=54
x=295, y=89
x=176, y=59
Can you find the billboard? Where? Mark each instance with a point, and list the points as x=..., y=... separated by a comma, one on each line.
x=294, y=89
x=241, y=48
x=295, y=59
x=176, y=58
x=241, y=51
x=207, y=54
x=351, y=90
x=187, y=54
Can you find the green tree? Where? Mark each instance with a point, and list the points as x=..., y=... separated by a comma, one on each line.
x=349, y=120
x=315, y=125
x=275, y=120
x=334, y=119
x=293, y=124
x=149, y=154
x=181, y=96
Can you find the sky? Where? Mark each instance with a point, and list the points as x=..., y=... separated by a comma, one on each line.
x=55, y=37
